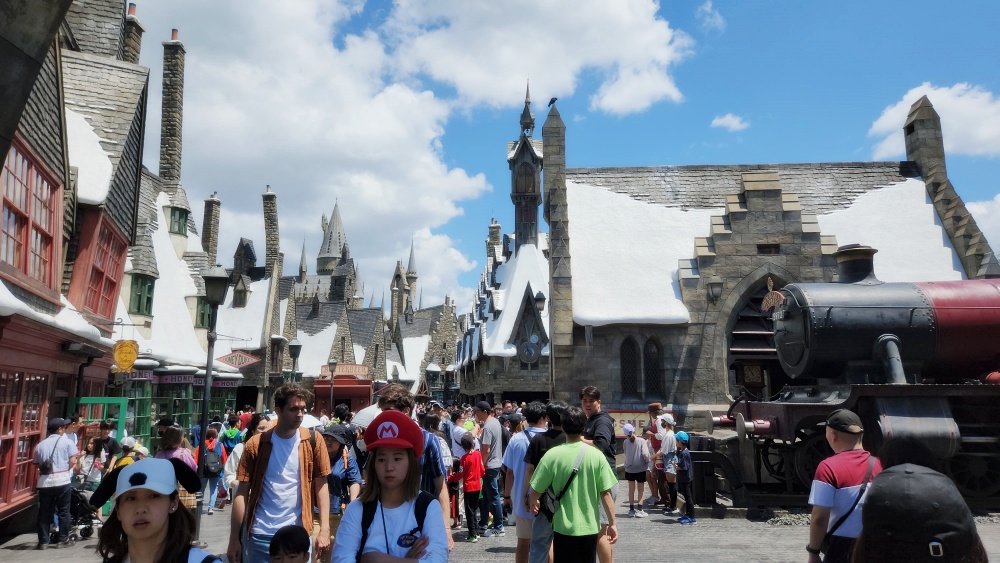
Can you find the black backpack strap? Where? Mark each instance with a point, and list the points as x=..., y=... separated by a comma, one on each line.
x=367, y=517
x=420, y=509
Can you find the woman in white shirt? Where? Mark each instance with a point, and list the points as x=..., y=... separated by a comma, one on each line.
x=392, y=493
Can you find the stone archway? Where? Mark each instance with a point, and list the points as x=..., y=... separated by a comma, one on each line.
x=742, y=294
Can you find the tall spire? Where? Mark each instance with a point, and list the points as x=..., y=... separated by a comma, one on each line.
x=303, y=268
x=334, y=240
x=411, y=266
x=527, y=118
x=420, y=304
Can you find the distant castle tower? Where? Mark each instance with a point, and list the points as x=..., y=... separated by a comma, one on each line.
x=334, y=239
x=525, y=163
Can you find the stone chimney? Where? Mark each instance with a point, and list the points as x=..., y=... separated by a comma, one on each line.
x=171, y=124
x=924, y=142
x=271, y=246
x=133, y=36
x=210, y=227
x=494, y=237
x=556, y=214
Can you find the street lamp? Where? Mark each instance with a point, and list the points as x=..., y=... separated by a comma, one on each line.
x=433, y=373
x=294, y=349
x=216, y=286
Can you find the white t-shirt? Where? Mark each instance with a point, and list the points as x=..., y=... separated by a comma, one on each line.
x=281, y=499
x=385, y=539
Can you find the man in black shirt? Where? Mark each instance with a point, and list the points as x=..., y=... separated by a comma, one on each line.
x=541, y=529
x=600, y=433
x=107, y=445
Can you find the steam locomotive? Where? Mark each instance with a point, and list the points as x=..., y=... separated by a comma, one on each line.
x=912, y=359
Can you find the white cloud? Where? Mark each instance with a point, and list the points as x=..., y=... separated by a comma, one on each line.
x=486, y=50
x=332, y=101
x=987, y=215
x=730, y=122
x=709, y=17
x=970, y=120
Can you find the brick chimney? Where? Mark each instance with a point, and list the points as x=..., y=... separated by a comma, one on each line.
x=171, y=124
x=271, y=246
x=133, y=36
x=210, y=228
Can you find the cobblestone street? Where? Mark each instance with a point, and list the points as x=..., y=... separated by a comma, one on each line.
x=656, y=538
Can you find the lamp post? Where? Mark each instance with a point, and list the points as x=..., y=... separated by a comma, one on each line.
x=216, y=286
x=294, y=349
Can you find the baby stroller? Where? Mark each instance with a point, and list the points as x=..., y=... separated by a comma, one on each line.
x=83, y=517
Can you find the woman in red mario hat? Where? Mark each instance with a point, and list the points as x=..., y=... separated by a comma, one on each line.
x=382, y=524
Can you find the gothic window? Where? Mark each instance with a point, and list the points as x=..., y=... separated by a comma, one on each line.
x=525, y=180
x=141, y=300
x=651, y=369
x=630, y=368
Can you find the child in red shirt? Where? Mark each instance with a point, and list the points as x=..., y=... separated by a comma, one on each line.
x=471, y=471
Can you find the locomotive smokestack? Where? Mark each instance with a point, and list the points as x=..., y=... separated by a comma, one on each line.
x=856, y=264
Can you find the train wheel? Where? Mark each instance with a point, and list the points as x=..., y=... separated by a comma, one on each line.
x=975, y=474
x=773, y=458
x=809, y=452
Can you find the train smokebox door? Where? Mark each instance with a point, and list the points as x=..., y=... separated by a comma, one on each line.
x=703, y=472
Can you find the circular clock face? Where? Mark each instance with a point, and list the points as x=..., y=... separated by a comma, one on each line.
x=528, y=352
x=534, y=339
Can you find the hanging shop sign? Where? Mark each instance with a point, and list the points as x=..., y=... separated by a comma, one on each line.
x=125, y=352
x=238, y=360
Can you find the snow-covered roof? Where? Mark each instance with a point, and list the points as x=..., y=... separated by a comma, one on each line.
x=94, y=168
x=316, y=349
x=242, y=327
x=625, y=252
x=359, y=354
x=173, y=337
x=68, y=319
x=899, y=221
x=414, y=349
x=626, y=244
x=527, y=268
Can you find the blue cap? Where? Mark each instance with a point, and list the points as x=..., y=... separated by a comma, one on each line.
x=682, y=436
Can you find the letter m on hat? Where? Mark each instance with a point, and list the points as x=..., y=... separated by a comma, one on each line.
x=387, y=430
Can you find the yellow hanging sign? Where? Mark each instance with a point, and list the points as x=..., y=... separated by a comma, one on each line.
x=125, y=353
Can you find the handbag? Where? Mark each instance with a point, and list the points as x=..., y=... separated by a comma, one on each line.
x=45, y=467
x=549, y=501
x=828, y=538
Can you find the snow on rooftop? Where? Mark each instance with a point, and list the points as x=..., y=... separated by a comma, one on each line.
x=400, y=368
x=901, y=223
x=527, y=268
x=359, y=354
x=241, y=328
x=315, y=348
x=173, y=337
x=414, y=349
x=625, y=253
x=68, y=319
x=92, y=162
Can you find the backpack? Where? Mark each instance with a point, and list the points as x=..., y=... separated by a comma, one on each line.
x=213, y=461
x=368, y=516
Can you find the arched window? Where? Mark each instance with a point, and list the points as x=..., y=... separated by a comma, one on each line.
x=651, y=369
x=630, y=368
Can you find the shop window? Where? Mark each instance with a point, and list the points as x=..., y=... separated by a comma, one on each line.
x=178, y=221
x=203, y=314
x=630, y=368
x=30, y=221
x=651, y=369
x=141, y=300
x=105, y=272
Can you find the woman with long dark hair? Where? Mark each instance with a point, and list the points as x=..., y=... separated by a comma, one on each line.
x=148, y=524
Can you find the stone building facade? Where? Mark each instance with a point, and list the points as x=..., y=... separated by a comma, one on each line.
x=696, y=336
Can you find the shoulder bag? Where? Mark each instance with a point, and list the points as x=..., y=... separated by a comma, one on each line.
x=828, y=538
x=549, y=502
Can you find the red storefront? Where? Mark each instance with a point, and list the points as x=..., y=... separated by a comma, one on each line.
x=41, y=368
x=350, y=384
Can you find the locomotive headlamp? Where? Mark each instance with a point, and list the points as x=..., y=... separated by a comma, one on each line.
x=714, y=287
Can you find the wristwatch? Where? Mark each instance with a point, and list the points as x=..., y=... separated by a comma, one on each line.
x=812, y=550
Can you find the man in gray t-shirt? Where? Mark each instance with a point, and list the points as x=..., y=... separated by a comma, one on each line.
x=491, y=449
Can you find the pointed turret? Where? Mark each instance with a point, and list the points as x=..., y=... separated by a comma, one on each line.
x=420, y=303
x=303, y=269
x=924, y=142
x=411, y=275
x=527, y=118
x=334, y=240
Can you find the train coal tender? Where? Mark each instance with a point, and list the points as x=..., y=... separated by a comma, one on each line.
x=918, y=360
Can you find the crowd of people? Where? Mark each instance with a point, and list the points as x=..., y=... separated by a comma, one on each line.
x=400, y=479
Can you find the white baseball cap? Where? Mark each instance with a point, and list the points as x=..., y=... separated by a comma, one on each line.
x=150, y=473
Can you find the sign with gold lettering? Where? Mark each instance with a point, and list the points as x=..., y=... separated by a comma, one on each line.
x=125, y=353
x=238, y=359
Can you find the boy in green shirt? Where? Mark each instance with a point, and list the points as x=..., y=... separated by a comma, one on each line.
x=577, y=522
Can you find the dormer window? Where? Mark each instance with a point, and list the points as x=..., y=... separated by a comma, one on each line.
x=240, y=298
x=203, y=314
x=178, y=221
x=141, y=300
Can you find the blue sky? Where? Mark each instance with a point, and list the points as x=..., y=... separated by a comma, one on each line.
x=401, y=111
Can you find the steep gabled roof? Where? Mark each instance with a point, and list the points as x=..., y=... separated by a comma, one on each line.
x=98, y=26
